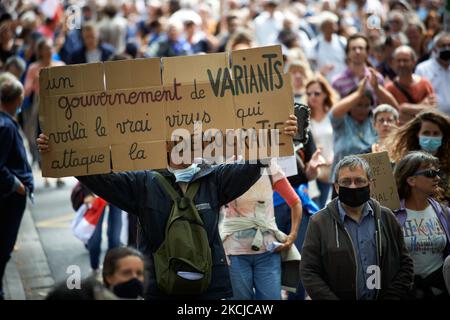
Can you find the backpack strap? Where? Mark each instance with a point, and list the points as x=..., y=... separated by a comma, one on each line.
x=445, y=212
x=174, y=195
x=192, y=190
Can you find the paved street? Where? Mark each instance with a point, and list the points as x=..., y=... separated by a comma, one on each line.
x=53, y=213
x=46, y=246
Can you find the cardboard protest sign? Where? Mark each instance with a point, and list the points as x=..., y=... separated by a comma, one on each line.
x=384, y=187
x=120, y=115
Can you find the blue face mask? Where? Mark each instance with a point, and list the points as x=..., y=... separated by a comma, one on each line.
x=185, y=175
x=430, y=144
x=18, y=110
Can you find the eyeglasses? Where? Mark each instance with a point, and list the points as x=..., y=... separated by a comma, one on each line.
x=429, y=173
x=316, y=93
x=385, y=121
x=347, y=182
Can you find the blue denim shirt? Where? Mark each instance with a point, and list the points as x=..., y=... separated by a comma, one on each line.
x=364, y=242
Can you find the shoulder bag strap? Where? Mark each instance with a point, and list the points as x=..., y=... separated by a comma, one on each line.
x=404, y=91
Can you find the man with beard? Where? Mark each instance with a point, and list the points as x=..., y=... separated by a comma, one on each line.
x=413, y=93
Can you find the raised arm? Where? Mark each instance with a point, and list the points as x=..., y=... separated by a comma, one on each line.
x=340, y=109
x=383, y=95
x=233, y=180
x=121, y=189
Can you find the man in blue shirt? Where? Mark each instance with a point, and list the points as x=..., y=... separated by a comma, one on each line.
x=362, y=233
x=16, y=179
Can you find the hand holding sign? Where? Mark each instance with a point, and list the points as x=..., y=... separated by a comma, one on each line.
x=113, y=116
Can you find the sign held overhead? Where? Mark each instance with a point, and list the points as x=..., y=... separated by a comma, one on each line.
x=120, y=115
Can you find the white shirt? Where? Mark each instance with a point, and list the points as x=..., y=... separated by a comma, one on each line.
x=440, y=80
x=329, y=53
x=425, y=240
x=267, y=28
x=93, y=56
x=322, y=132
x=114, y=32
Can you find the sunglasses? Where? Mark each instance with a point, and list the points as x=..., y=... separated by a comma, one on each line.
x=429, y=173
x=316, y=93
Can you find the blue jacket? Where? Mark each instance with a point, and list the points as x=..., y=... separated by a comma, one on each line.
x=14, y=166
x=139, y=193
x=79, y=56
x=444, y=219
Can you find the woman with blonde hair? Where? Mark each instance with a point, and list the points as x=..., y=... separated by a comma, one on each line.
x=320, y=98
x=429, y=131
x=45, y=59
x=300, y=73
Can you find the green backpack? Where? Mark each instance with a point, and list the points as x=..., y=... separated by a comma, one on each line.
x=183, y=262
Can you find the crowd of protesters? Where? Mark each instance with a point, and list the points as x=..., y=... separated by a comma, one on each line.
x=375, y=74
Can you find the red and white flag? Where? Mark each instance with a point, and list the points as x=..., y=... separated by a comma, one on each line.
x=87, y=218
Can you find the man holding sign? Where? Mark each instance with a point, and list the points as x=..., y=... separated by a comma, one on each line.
x=140, y=193
x=120, y=116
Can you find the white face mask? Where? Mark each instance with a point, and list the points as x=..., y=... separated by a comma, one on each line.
x=186, y=174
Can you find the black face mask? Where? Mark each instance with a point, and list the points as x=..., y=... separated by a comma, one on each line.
x=354, y=197
x=131, y=289
x=444, y=54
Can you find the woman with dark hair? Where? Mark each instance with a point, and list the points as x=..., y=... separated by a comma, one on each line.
x=425, y=222
x=433, y=25
x=123, y=272
x=320, y=98
x=242, y=39
x=429, y=131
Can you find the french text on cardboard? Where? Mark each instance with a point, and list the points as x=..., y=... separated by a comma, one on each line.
x=122, y=115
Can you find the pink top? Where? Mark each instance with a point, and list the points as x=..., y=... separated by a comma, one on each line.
x=32, y=77
x=244, y=206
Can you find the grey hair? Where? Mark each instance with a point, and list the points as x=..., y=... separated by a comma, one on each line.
x=407, y=49
x=385, y=108
x=10, y=91
x=352, y=162
x=396, y=13
x=7, y=76
x=439, y=36
x=17, y=62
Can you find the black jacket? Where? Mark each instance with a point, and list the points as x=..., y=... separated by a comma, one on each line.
x=13, y=158
x=139, y=193
x=328, y=266
x=79, y=56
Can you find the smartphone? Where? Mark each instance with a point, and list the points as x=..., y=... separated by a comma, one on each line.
x=303, y=114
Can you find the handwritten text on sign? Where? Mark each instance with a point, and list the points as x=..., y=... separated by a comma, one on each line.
x=384, y=187
x=119, y=115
